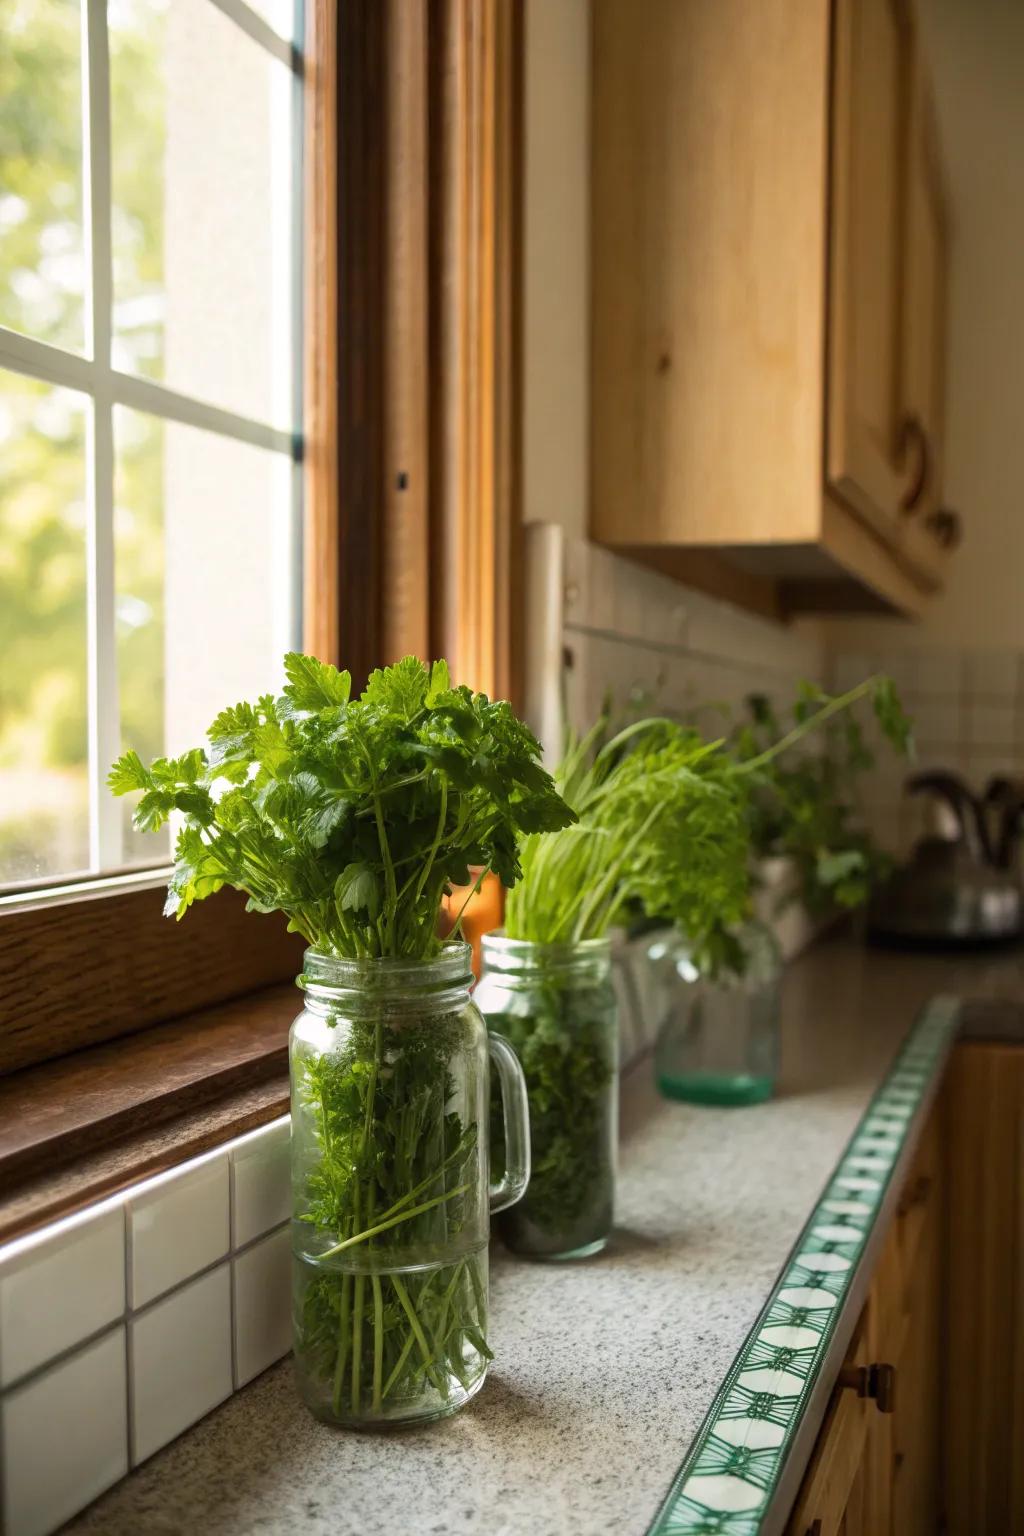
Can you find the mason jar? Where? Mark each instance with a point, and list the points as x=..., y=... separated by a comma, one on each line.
x=390, y=1091
x=718, y=1034
x=555, y=1003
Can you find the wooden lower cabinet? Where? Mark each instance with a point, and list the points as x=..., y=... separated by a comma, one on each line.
x=876, y=1468
x=984, y=1399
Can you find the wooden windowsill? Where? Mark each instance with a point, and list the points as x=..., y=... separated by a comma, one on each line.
x=74, y=1130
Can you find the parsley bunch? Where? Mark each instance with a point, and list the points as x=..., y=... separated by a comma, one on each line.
x=352, y=816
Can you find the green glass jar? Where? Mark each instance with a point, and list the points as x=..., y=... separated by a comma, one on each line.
x=556, y=1004
x=718, y=1035
x=390, y=1069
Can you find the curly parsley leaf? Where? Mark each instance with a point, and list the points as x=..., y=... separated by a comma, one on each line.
x=352, y=816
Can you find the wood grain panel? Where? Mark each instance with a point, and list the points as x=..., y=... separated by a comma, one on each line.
x=870, y=86
x=320, y=545
x=54, y=1112
x=406, y=538
x=709, y=170
x=361, y=180
x=41, y=1198
x=77, y=974
x=985, y=1316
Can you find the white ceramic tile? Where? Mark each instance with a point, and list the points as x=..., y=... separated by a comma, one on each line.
x=935, y=717
x=65, y=1437
x=990, y=725
x=180, y=1360
x=178, y=1224
x=939, y=672
x=850, y=668
x=58, y=1288
x=992, y=674
x=261, y=1181
x=903, y=666
x=263, y=1308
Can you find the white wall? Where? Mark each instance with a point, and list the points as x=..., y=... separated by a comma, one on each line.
x=556, y=262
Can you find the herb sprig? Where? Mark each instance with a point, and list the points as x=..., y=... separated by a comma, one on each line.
x=805, y=809
x=352, y=816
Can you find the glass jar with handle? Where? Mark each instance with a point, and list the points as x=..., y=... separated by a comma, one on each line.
x=390, y=1068
x=556, y=1004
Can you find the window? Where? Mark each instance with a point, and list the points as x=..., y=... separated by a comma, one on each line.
x=150, y=487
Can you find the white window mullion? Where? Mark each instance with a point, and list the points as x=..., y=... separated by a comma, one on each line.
x=106, y=847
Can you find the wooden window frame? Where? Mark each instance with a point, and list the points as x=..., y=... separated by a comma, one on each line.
x=411, y=542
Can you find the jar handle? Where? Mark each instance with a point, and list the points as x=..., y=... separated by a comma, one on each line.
x=516, y=1114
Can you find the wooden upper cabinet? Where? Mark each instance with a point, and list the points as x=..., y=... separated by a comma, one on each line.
x=869, y=118
x=750, y=236
x=923, y=319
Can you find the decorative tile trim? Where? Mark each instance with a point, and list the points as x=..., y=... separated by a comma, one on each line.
x=733, y=1470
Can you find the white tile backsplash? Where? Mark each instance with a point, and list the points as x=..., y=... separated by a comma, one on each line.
x=263, y=1312
x=177, y=1225
x=990, y=724
x=59, y=1288
x=261, y=1182
x=187, y=1328
x=180, y=1360
x=65, y=1437
x=968, y=713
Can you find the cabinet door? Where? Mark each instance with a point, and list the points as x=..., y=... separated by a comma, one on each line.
x=924, y=301
x=836, y=1484
x=869, y=121
x=984, y=1463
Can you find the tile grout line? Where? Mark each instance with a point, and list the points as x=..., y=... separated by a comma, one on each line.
x=125, y=1318
x=129, y=1338
x=232, y=1250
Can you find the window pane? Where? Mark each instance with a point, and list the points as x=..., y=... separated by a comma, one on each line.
x=202, y=217
x=205, y=552
x=280, y=14
x=44, y=810
x=42, y=261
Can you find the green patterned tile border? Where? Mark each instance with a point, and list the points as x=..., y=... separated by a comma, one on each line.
x=733, y=1469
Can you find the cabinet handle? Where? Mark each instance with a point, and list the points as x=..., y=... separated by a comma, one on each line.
x=914, y=437
x=814, y=1529
x=916, y=1195
x=947, y=526
x=874, y=1381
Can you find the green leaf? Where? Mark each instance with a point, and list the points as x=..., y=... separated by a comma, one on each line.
x=128, y=773
x=355, y=890
x=153, y=810
x=440, y=683
x=836, y=867
x=315, y=685
x=400, y=690
x=891, y=716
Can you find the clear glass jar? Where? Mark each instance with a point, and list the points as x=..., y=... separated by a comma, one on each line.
x=390, y=1137
x=718, y=1035
x=556, y=1004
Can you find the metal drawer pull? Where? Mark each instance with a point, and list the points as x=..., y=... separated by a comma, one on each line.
x=874, y=1381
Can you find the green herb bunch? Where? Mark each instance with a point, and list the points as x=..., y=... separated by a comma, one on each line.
x=352, y=816
x=660, y=825
x=355, y=817
x=396, y=1181
x=665, y=824
x=803, y=805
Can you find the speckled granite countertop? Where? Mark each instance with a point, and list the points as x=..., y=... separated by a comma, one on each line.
x=604, y=1369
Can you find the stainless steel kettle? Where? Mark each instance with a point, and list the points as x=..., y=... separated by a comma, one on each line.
x=963, y=888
